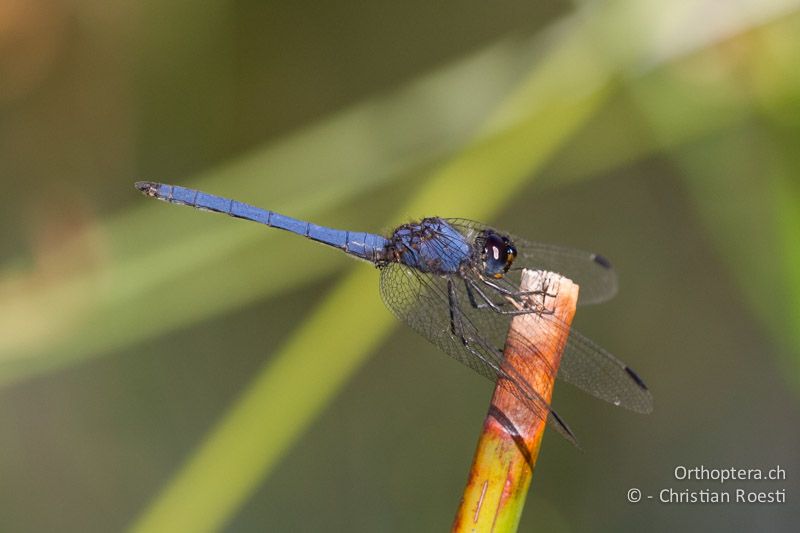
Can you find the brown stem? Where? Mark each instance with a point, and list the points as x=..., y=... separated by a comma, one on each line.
x=512, y=433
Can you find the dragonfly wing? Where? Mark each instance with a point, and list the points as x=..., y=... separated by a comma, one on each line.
x=592, y=369
x=438, y=308
x=592, y=272
x=584, y=364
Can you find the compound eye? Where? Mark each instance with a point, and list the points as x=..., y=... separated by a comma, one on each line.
x=498, y=254
x=511, y=254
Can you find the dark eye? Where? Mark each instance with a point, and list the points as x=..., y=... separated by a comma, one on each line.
x=498, y=254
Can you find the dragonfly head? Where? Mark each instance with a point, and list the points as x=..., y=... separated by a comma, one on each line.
x=497, y=255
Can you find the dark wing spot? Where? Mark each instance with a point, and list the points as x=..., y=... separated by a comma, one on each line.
x=636, y=377
x=602, y=261
x=566, y=431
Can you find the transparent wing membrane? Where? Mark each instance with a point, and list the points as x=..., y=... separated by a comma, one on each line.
x=447, y=312
x=592, y=369
x=592, y=272
x=438, y=308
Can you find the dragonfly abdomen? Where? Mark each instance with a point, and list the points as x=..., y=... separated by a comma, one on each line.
x=359, y=244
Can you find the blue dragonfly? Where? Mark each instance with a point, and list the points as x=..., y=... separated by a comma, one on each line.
x=456, y=283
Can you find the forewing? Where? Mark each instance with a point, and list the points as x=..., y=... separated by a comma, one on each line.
x=424, y=303
x=592, y=272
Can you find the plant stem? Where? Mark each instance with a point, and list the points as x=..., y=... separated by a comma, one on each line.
x=512, y=434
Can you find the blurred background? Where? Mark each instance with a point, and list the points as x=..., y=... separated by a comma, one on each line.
x=164, y=369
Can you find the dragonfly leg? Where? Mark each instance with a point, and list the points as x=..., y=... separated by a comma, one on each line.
x=507, y=378
x=494, y=306
x=525, y=304
x=457, y=328
x=451, y=300
x=474, y=303
x=516, y=294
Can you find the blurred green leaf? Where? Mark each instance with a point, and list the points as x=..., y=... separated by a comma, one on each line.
x=157, y=263
x=755, y=224
x=740, y=180
x=184, y=267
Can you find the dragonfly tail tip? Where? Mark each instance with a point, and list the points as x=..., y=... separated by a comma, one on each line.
x=147, y=187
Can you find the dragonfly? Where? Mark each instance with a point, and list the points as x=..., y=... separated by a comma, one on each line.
x=456, y=283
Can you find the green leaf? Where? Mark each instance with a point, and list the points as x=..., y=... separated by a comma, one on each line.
x=184, y=267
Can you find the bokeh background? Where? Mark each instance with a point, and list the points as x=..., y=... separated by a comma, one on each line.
x=164, y=369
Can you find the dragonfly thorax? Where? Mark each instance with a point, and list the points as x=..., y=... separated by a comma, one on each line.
x=431, y=245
